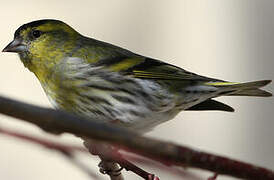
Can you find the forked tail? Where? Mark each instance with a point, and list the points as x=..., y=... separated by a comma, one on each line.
x=232, y=89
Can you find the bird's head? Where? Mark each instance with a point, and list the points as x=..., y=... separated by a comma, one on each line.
x=43, y=40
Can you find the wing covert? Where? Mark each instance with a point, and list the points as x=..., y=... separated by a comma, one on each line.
x=155, y=69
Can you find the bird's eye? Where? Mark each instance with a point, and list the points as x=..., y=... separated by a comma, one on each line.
x=36, y=33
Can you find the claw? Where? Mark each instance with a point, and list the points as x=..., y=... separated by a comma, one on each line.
x=119, y=170
x=105, y=170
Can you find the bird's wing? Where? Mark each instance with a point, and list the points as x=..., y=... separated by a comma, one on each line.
x=148, y=68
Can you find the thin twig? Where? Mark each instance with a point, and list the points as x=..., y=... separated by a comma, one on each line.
x=178, y=171
x=44, y=142
x=67, y=151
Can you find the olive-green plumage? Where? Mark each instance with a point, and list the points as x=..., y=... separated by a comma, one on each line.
x=102, y=81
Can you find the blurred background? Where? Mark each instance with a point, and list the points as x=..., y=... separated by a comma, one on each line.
x=230, y=40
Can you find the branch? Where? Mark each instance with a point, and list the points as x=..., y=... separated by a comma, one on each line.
x=67, y=150
x=168, y=153
x=115, y=156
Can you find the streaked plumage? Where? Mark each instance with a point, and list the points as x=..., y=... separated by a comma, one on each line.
x=105, y=82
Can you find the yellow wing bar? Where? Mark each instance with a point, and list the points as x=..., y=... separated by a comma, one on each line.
x=221, y=83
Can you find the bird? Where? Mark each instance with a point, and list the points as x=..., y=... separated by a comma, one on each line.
x=110, y=84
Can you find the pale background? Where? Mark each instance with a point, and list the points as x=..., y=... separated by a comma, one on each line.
x=227, y=39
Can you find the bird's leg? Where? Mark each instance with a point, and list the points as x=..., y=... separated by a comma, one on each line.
x=109, y=167
x=106, y=166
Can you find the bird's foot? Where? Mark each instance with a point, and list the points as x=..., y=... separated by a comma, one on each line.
x=106, y=167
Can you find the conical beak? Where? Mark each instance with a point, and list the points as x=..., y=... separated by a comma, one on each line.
x=15, y=46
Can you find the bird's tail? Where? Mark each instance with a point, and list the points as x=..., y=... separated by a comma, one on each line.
x=231, y=89
x=242, y=89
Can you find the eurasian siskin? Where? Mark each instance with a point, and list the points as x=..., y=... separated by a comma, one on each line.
x=111, y=84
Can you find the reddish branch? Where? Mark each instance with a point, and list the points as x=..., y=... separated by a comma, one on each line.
x=66, y=150
x=120, y=157
x=69, y=150
x=168, y=153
